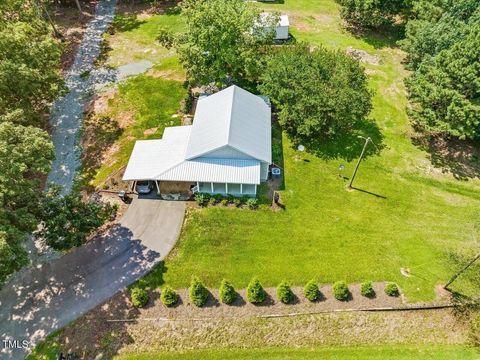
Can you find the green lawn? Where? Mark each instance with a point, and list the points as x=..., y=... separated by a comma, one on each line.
x=147, y=103
x=408, y=214
x=347, y=353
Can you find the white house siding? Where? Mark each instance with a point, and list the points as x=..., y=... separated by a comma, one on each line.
x=264, y=171
x=281, y=33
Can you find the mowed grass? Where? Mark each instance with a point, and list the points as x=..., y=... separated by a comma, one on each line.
x=408, y=215
x=144, y=102
x=326, y=353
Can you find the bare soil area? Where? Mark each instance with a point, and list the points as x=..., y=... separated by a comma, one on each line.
x=71, y=24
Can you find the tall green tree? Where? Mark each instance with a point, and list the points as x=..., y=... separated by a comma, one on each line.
x=223, y=39
x=444, y=51
x=25, y=154
x=29, y=62
x=318, y=93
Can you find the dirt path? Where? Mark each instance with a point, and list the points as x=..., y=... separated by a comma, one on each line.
x=67, y=112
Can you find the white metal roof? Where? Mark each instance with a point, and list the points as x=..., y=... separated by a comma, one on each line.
x=215, y=170
x=151, y=158
x=233, y=117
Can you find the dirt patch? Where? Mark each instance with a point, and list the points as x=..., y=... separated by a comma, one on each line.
x=166, y=74
x=150, y=131
x=363, y=56
x=99, y=103
x=145, y=9
x=72, y=24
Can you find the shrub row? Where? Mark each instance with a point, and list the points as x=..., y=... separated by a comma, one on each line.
x=256, y=294
x=205, y=199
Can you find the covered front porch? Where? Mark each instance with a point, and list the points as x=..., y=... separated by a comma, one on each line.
x=226, y=188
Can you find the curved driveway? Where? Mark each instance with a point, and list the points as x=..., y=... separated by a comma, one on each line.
x=48, y=297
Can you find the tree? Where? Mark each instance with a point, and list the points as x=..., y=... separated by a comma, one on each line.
x=67, y=221
x=317, y=93
x=445, y=55
x=371, y=13
x=25, y=155
x=30, y=60
x=222, y=40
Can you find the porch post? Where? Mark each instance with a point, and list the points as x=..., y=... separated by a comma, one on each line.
x=255, y=189
x=241, y=188
x=198, y=186
x=158, y=187
x=211, y=185
x=226, y=188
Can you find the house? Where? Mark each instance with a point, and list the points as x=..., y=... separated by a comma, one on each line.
x=282, y=27
x=227, y=149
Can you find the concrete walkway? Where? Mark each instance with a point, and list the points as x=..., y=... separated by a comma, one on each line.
x=67, y=112
x=51, y=295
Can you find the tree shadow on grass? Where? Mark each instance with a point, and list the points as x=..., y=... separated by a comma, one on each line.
x=459, y=157
x=126, y=22
x=347, y=145
x=387, y=36
x=100, y=133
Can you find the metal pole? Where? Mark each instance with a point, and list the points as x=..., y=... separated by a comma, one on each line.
x=454, y=277
x=358, y=163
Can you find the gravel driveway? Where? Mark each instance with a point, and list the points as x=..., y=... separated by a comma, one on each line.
x=67, y=112
x=51, y=295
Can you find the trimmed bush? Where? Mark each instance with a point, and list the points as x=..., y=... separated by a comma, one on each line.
x=366, y=289
x=227, y=292
x=391, y=289
x=168, y=297
x=255, y=292
x=212, y=201
x=231, y=198
x=237, y=202
x=311, y=291
x=252, y=203
x=340, y=290
x=198, y=292
x=224, y=202
x=202, y=198
x=139, y=297
x=285, y=293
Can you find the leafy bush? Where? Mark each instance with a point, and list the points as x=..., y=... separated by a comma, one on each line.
x=366, y=289
x=311, y=291
x=168, y=297
x=212, y=201
x=237, y=202
x=202, y=198
x=252, y=203
x=68, y=220
x=231, y=198
x=166, y=38
x=371, y=14
x=255, y=292
x=198, y=292
x=340, y=290
x=391, y=289
x=224, y=202
x=139, y=297
x=227, y=292
x=285, y=293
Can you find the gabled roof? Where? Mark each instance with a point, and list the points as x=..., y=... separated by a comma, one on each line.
x=233, y=117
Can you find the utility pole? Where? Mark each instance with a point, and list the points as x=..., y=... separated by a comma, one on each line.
x=359, y=160
x=454, y=277
x=78, y=6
